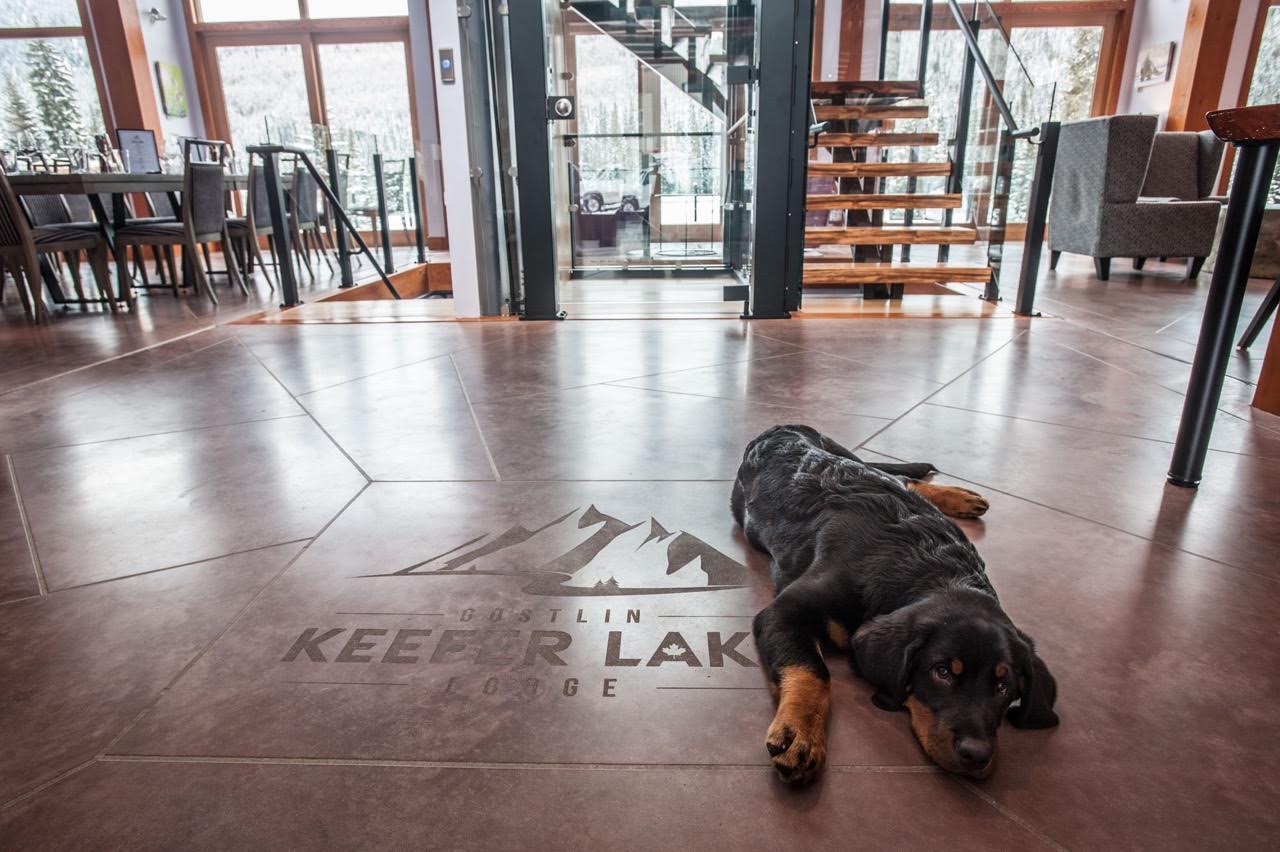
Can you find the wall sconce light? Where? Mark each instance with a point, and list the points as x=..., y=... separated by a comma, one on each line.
x=156, y=15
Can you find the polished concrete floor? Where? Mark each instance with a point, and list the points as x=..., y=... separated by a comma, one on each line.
x=265, y=586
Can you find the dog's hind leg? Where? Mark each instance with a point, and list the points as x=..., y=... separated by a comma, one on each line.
x=952, y=500
x=912, y=470
x=786, y=636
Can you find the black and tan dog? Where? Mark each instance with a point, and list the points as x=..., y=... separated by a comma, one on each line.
x=864, y=557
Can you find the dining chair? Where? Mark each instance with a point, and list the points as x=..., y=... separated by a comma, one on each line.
x=247, y=231
x=304, y=219
x=23, y=244
x=203, y=220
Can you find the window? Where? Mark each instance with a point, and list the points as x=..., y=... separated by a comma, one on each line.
x=1062, y=55
x=248, y=10
x=48, y=93
x=265, y=90
x=1264, y=81
x=365, y=9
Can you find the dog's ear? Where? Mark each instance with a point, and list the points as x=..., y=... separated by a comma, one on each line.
x=884, y=653
x=1037, y=688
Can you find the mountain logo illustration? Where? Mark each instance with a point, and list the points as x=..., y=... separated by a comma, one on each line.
x=585, y=553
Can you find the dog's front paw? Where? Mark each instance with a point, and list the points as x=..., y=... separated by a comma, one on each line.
x=964, y=503
x=798, y=753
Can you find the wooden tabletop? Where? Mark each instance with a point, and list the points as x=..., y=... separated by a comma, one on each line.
x=109, y=183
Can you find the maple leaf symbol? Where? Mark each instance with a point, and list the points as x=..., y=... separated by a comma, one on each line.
x=674, y=650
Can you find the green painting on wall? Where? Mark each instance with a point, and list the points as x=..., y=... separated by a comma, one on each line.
x=173, y=92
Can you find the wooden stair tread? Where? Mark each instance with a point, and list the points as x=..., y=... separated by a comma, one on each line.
x=876, y=140
x=884, y=201
x=828, y=88
x=879, y=169
x=826, y=112
x=836, y=274
x=890, y=235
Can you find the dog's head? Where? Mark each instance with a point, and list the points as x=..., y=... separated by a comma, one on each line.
x=958, y=665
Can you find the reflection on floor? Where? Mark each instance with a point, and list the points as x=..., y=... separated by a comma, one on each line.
x=278, y=585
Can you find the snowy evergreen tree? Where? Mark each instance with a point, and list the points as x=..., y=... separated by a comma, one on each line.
x=23, y=126
x=54, y=86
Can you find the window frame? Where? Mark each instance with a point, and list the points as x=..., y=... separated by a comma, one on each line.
x=95, y=61
x=309, y=33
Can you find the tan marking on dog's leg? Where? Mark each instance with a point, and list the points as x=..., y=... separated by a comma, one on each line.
x=837, y=633
x=952, y=500
x=797, y=739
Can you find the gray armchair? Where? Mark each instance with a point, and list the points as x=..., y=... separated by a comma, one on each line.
x=1101, y=167
x=1183, y=166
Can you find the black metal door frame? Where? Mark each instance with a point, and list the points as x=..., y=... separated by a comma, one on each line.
x=784, y=57
x=529, y=77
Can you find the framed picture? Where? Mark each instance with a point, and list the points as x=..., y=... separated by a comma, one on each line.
x=1154, y=64
x=138, y=150
x=173, y=92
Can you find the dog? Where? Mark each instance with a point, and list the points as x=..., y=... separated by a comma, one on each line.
x=864, y=556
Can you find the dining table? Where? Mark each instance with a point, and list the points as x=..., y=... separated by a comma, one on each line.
x=96, y=186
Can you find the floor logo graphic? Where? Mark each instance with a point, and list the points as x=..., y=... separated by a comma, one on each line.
x=586, y=553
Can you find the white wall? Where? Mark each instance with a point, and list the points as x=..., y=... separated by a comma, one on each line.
x=455, y=161
x=167, y=41
x=428, y=137
x=1156, y=21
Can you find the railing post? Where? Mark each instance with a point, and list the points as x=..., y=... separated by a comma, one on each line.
x=1254, y=166
x=280, y=229
x=955, y=181
x=884, y=35
x=383, y=225
x=1037, y=214
x=926, y=24
x=418, y=239
x=339, y=230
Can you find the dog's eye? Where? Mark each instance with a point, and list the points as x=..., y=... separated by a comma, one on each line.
x=942, y=671
x=1003, y=689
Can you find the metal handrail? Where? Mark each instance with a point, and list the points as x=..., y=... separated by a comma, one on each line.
x=270, y=155
x=980, y=61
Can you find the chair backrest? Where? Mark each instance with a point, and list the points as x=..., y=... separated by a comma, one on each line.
x=1183, y=165
x=14, y=231
x=259, y=214
x=79, y=208
x=161, y=204
x=304, y=194
x=1100, y=161
x=203, y=204
x=46, y=210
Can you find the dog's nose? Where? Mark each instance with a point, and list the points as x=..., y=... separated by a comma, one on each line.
x=974, y=753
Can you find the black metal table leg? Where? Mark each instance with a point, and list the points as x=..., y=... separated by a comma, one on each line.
x=1254, y=166
x=339, y=229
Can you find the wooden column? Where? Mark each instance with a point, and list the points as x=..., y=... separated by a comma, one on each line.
x=114, y=34
x=852, y=13
x=1202, y=62
x=1267, y=396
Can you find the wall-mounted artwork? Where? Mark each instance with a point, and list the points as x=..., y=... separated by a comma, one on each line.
x=1154, y=64
x=173, y=92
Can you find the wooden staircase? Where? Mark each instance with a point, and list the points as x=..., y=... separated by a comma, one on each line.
x=863, y=249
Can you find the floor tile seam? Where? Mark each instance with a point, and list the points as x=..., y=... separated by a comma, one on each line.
x=1169, y=325
x=854, y=360
x=1130, y=533
x=604, y=382
x=939, y=390
x=95, y=385
x=475, y=420
x=1110, y=432
x=231, y=622
x=46, y=784
x=34, y=555
x=103, y=361
x=148, y=572
x=361, y=378
x=206, y=427
x=481, y=765
x=754, y=402
x=1011, y=815
x=309, y=414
